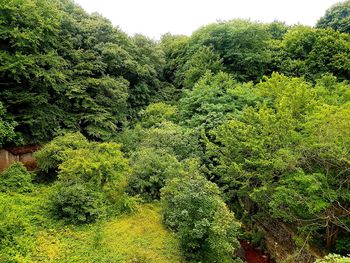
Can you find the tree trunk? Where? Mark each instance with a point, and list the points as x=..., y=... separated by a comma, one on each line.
x=332, y=232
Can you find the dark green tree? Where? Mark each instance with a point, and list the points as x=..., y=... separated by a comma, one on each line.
x=313, y=52
x=337, y=17
x=242, y=45
x=206, y=228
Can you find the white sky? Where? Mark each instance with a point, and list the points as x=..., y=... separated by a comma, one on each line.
x=156, y=17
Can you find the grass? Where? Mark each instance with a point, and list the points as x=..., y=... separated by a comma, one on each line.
x=33, y=236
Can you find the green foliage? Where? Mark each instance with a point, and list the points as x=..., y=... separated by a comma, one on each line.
x=157, y=113
x=51, y=155
x=172, y=138
x=7, y=133
x=204, y=225
x=257, y=142
x=301, y=195
x=342, y=245
x=21, y=217
x=175, y=49
x=63, y=69
x=96, y=171
x=78, y=203
x=130, y=138
x=277, y=29
x=337, y=17
x=146, y=82
x=178, y=106
x=15, y=231
x=28, y=233
x=97, y=175
x=257, y=238
x=331, y=91
x=202, y=61
x=129, y=204
x=151, y=168
x=333, y=258
x=209, y=103
x=29, y=33
x=242, y=46
x=16, y=178
x=289, y=154
x=100, y=164
x=312, y=52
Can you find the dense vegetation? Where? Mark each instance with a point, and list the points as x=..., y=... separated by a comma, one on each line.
x=172, y=150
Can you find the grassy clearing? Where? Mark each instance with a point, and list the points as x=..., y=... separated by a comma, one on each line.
x=32, y=236
x=140, y=237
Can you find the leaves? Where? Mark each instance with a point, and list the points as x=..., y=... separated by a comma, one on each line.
x=194, y=210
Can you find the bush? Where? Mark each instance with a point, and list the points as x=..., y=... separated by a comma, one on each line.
x=88, y=180
x=16, y=178
x=150, y=170
x=55, y=152
x=20, y=217
x=342, y=245
x=333, y=258
x=206, y=228
x=101, y=164
x=129, y=204
x=78, y=203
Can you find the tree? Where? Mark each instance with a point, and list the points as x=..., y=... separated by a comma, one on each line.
x=151, y=168
x=172, y=138
x=51, y=155
x=63, y=69
x=31, y=70
x=241, y=44
x=175, y=51
x=336, y=17
x=203, y=60
x=194, y=210
x=212, y=100
x=313, y=52
x=100, y=164
x=7, y=133
x=145, y=79
x=16, y=178
x=158, y=112
x=289, y=156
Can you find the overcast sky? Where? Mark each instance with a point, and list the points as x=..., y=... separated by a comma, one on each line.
x=156, y=17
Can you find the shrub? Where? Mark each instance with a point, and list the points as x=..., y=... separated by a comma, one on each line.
x=129, y=204
x=78, y=203
x=101, y=164
x=88, y=180
x=206, y=228
x=16, y=178
x=150, y=169
x=55, y=152
x=20, y=217
x=333, y=258
x=342, y=245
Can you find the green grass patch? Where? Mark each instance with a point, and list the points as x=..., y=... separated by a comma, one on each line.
x=29, y=234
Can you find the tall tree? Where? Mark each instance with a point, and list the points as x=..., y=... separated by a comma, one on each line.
x=337, y=17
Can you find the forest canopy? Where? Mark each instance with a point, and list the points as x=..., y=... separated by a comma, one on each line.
x=221, y=134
